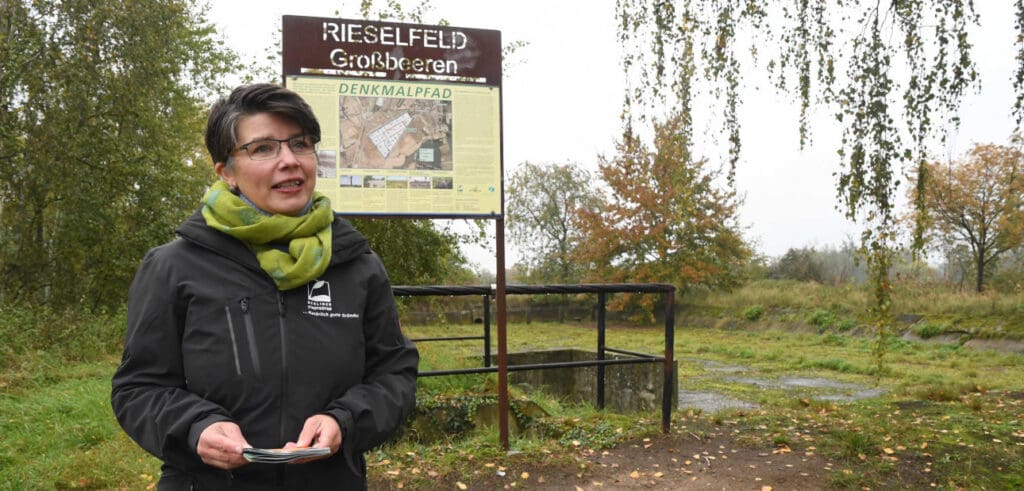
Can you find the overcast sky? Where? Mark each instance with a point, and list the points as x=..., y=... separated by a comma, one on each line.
x=563, y=95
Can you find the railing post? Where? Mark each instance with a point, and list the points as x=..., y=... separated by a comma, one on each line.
x=600, y=348
x=487, y=330
x=670, y=331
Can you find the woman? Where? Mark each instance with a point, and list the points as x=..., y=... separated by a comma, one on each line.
x=269, y=323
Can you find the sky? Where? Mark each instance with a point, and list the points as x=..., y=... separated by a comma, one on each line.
x=562, y=97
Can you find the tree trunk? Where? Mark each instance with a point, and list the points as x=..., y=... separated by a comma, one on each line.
x=979, y=282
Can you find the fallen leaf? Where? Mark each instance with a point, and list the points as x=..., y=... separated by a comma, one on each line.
x=659, y=474
x=461, y=486
x=766, y=488
x=888, y=451
x=524, y=475
x=634, y=475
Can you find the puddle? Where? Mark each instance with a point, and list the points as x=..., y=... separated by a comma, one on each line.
x=711, y=402
x=817, y=388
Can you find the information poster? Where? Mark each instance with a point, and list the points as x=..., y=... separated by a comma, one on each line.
x=410, y=114
x=404, y=147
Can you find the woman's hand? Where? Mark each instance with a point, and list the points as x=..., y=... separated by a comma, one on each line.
x=320, y=430
x=220, y=445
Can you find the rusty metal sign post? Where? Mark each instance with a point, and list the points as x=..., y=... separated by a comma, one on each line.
x=412, y=127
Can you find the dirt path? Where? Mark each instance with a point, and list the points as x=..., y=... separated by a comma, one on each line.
x=677, y=461
x=709, y=461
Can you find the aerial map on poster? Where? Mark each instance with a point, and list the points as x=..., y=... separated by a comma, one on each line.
x=392, y=147
x=410, y=114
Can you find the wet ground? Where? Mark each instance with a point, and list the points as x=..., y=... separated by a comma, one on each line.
x=818, y=388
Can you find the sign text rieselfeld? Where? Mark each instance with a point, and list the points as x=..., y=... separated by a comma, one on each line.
x=386, y=50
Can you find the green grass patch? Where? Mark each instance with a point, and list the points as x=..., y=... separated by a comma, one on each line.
x=62, y=434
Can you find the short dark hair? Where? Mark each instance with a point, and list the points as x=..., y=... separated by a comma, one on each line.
x=251, y=99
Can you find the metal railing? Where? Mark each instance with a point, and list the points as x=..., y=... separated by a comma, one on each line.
x=602, y=291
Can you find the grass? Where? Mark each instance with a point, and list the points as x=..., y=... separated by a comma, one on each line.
x=841, y=308
x=62, y=434
x=948, y=415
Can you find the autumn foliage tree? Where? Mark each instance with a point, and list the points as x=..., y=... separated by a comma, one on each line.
x=667, y=219
x=978, y=202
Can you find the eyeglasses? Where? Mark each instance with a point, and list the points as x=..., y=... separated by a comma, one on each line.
x=269, y=148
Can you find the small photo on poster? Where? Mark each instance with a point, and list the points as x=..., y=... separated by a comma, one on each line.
x=444, y=182
x=419, y=182
x=326, y=164
x=350, y=181
x=398, y=182
x=375, y=182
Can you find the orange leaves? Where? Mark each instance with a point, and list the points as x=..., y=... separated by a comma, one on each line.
x=667, y=220
x=976, y=201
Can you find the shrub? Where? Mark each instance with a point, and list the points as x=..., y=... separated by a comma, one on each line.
x=753, y=313
x=65, y=334
x=823, y=319
x=929, y=330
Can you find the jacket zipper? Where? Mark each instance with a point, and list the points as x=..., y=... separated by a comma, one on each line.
x=284, y=361
x=234, y=344
x=253, y=352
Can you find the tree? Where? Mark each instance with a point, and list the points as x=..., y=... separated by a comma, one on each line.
x=907, y=67
x=101, y=115
x=978, y=202
x=541, y=205
x=416, y=252
x=667, y=219
x=802, y=264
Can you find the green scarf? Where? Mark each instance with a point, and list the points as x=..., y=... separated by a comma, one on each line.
x=308, y=236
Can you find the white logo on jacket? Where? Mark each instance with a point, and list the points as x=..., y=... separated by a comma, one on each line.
x=319, y=302
x=318, y=299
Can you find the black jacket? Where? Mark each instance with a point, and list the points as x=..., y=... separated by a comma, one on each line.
x=210, y=338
